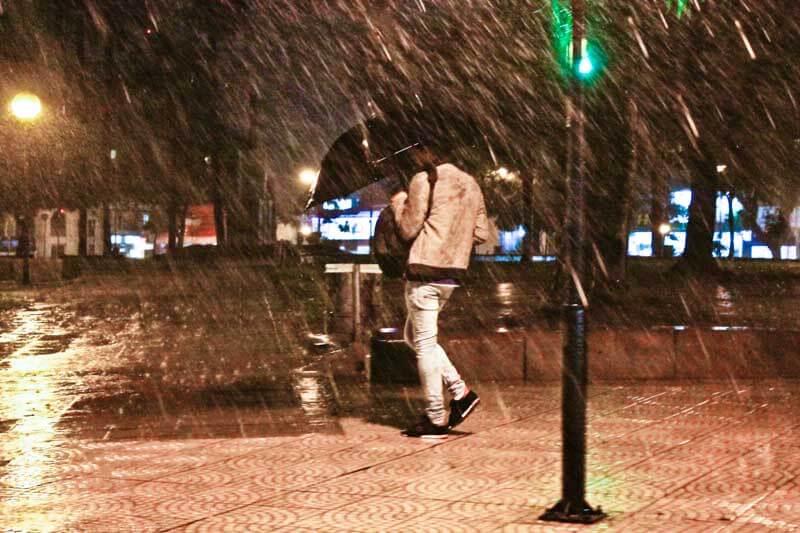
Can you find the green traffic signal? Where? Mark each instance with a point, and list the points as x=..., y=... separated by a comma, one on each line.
x=679, y=5
x=561, y=30
x=592, y=61
x=585, y=67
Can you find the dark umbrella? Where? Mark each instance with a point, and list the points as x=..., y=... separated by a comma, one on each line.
x=364, y=154
x=381, y=146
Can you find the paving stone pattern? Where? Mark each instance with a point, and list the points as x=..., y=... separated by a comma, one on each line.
x=663, y=457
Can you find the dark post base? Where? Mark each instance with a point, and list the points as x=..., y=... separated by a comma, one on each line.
x=26, y=270
x=564, y=512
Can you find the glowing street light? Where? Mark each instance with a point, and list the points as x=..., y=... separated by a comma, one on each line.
x=26, y=107
x=308, y=176
x=665, y=228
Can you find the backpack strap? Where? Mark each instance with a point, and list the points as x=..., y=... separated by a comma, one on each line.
x=432, y=177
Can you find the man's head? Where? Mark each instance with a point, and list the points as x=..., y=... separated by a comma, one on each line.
x=414, y=156
x=424, y=157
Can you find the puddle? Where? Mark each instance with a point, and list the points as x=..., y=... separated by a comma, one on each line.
x=315, y=397
x=33, y=378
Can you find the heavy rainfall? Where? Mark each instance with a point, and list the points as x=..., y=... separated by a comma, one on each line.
x=194, y=332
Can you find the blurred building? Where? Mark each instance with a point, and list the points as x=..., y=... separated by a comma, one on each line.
x=350, y=223
x=55, y=232
x=198, y=229
x=745, y=242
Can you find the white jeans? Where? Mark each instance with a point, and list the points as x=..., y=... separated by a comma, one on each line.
x=424, y=301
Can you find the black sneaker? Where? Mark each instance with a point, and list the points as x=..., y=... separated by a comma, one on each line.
x=461, y=409
x=425, y=429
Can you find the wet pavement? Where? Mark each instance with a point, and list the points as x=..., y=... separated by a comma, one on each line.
x=201, y=404
x=663, y=457
x=80, y=452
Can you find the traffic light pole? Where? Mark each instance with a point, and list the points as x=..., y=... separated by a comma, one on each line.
x=573, y=506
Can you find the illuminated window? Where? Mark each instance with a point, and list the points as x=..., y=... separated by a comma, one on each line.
x=357, y=227
x=340, y=204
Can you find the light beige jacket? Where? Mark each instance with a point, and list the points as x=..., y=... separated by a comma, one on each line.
x=442, y=242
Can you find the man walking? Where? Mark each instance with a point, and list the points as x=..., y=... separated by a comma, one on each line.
x=445, y=215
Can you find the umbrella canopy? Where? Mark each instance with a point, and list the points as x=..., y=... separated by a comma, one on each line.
x=367, y=152
x=381, y=146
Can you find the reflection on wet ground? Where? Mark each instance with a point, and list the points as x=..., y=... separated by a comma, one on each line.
x=64, y=377
x=103, y=370
x=37, y=387
x=59, y=378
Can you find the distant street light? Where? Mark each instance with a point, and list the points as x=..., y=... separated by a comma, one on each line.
x=308, y=176
x=26, y=107
x=108, y=237
x=663, y=229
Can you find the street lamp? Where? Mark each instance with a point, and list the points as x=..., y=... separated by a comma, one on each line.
x=26, y=108
x=108, y=237
x=308, y=176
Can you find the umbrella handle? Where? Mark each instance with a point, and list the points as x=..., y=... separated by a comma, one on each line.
x=400, y=151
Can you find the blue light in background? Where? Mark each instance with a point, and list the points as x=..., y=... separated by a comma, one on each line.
x=340, y=204
x=511, y=241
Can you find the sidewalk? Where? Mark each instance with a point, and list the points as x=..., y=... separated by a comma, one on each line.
x=673, y=456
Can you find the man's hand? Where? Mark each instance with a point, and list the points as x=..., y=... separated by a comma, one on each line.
x=411, y=216
x=398, y=202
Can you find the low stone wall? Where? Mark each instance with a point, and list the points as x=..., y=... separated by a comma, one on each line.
x=42, y=270
x=655, y=353
x=45, y=270
x=659, y=353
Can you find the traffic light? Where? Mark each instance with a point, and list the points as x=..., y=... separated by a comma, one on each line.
x=679, y=5
x=561, y=29
x=593, y=60
x=585, y=66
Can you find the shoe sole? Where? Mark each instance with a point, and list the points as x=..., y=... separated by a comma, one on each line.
x=430, y=437
x=467, y=411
